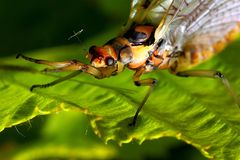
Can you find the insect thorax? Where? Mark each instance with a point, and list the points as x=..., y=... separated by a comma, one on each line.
x=135, y=49
x=139, y=48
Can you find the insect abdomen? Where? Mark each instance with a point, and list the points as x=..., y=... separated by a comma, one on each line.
x=196, y=54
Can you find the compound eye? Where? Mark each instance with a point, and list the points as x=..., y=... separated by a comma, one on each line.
x=109, y=61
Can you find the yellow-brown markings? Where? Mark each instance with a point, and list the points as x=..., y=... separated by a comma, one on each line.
x=140, y=55
x=196, y=54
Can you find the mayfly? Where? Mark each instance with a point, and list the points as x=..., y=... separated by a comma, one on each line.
x=161, y=34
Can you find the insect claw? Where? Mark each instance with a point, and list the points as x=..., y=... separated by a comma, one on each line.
x=18, y=55
x=46, y=70
x=38, y=86
x=32, y=88
x=133, y=123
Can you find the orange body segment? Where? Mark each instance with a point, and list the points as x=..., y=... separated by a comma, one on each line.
x=196, y=54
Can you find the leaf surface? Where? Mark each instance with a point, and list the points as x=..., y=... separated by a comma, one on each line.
x=196, y=110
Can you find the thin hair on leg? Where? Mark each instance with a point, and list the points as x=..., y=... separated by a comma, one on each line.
x=134, y=120
x=145, y=82
x=45, y=62
x=211, y=74
x=74, y=74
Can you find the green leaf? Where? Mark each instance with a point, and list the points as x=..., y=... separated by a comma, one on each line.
x=196, y=110
x=65, y=135
x=68, y=135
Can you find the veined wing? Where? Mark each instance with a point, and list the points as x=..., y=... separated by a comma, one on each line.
x=205, y=21
x=206, y=27
x=153, y=10
x=213, y=21
x=139, y=11
x=200, y=28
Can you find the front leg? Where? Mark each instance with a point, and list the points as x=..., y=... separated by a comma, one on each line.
x=57, y=81
x=72, y=65
x=211, y=74
x=45, y=62
x=145, y=82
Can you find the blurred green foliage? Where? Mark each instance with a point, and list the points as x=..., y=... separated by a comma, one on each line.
x=27, y=25
x=74, y=139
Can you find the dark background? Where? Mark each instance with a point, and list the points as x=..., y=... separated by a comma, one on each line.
x=27, y=25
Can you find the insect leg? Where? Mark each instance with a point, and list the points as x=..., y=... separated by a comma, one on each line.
x=49, y=63
x=72, y=65
x=74, y=74
x=145, y=82
x=78, y=67
x=211, y=74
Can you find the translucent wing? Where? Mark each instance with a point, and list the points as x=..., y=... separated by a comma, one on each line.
x=149, y=10
x=152, y=11
x=205, y=21
x=139, y=11
x=210, y=21
x=176, y=8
